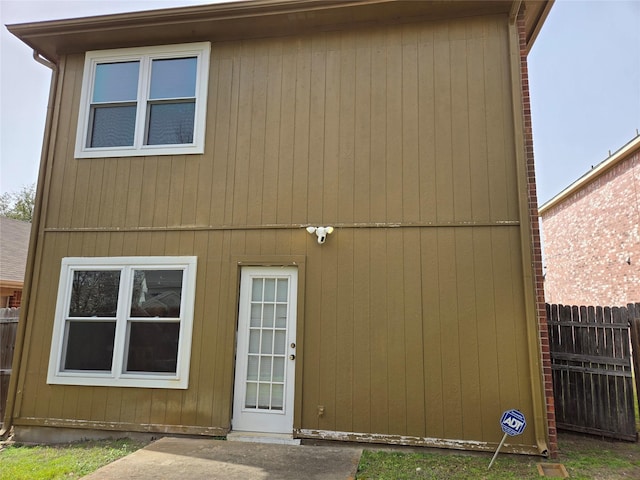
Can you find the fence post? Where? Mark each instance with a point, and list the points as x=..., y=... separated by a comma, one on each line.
x=634, y=327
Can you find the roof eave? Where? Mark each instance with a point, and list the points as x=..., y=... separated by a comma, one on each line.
x=535, y=16
x=242, y=19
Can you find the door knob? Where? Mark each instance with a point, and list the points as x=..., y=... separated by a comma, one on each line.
x=292, y=357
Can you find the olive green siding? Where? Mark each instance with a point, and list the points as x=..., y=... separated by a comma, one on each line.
x=412, y=317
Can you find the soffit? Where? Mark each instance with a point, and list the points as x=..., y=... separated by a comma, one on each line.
x=245, y=19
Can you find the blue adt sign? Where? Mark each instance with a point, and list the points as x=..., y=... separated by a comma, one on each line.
x=513, y=422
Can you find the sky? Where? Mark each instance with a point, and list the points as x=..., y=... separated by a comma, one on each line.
x=584, y=77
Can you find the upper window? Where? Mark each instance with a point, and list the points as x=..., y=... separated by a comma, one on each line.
x=124, y=321
x=143, y=101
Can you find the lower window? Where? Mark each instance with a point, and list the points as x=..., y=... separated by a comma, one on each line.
x=124, y=321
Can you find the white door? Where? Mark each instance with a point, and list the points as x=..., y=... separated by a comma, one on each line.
x=265, y=358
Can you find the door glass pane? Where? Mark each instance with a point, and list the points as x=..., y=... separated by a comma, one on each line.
x=254, y=341
x=264, y=390
x=171, y=123
x=156, y=293
x=173, y=78
x=281, y=316
x=153, y=347
x=116, y=82
x=267, y=341
x=277, y=396
x=269, y=289
x=252, y=368
x=283, y=289
x=280, y=342
x=265, y=369
x=94, y=293
x=89, y=345
x=267, y=316
x=256, y=314
x=278, y=369
x=256, y=290
x=251, y=396
x=113, y=126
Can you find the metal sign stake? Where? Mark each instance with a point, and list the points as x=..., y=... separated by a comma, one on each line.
x=498, y=450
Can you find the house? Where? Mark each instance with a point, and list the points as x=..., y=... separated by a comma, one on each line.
x=188, y=151
x=14, y=243
x=592, y=234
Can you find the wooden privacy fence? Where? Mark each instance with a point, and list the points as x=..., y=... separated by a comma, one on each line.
x=591, y=364
x=8, y=328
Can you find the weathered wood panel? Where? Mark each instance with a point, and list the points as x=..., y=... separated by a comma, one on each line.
x=592, y=374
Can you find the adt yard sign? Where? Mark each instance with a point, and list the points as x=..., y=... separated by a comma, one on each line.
x=513, y=422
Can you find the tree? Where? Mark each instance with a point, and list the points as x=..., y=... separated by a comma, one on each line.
x=19, y=205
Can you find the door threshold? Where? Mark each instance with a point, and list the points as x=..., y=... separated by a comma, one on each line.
x=261, y=437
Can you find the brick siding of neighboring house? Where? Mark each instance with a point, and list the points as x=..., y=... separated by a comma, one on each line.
x=15, y=300
x=592, y=239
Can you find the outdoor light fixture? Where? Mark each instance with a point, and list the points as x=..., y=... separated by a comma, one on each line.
x=321, y=232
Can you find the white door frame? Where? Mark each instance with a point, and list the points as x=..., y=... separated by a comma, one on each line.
x=265, y=356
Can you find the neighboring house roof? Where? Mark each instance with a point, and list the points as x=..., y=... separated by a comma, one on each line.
x=596, y=172
x=14, y=245
x=249, y=19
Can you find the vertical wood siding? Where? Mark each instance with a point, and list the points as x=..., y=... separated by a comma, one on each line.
x=412, y=330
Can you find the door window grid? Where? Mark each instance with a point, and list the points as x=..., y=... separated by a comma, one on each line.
x=266, y=361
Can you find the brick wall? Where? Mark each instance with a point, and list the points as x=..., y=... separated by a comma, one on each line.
x=15, y=300
x=541, y=311
x=592, y=240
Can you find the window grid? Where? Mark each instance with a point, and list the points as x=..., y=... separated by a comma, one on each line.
x=267, y=345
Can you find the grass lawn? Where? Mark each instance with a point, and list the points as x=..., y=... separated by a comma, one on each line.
x=61, y=461
x=584, y=458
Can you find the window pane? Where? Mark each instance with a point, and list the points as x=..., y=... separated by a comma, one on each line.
x=251, y=398
x=173, y=78
x=281, y=316
x=89, y=346
x=277, y=397
x=153, y=347
x=171, y=123
x=278, y=369
x=267, y=316
x=264, y=395
x=256, y=315
x=283, y=289
x=252, y=368
x=267, y=341
x=269, y=289
x=256, y=290
x=156, y=293
x=265, y=369
x=94, y=293
x=280, y=342
x=254, y=341
x=116, y=82
x=113, y=126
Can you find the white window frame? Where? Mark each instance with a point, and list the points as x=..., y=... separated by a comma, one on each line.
x=144, y=55
x=118, y=377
